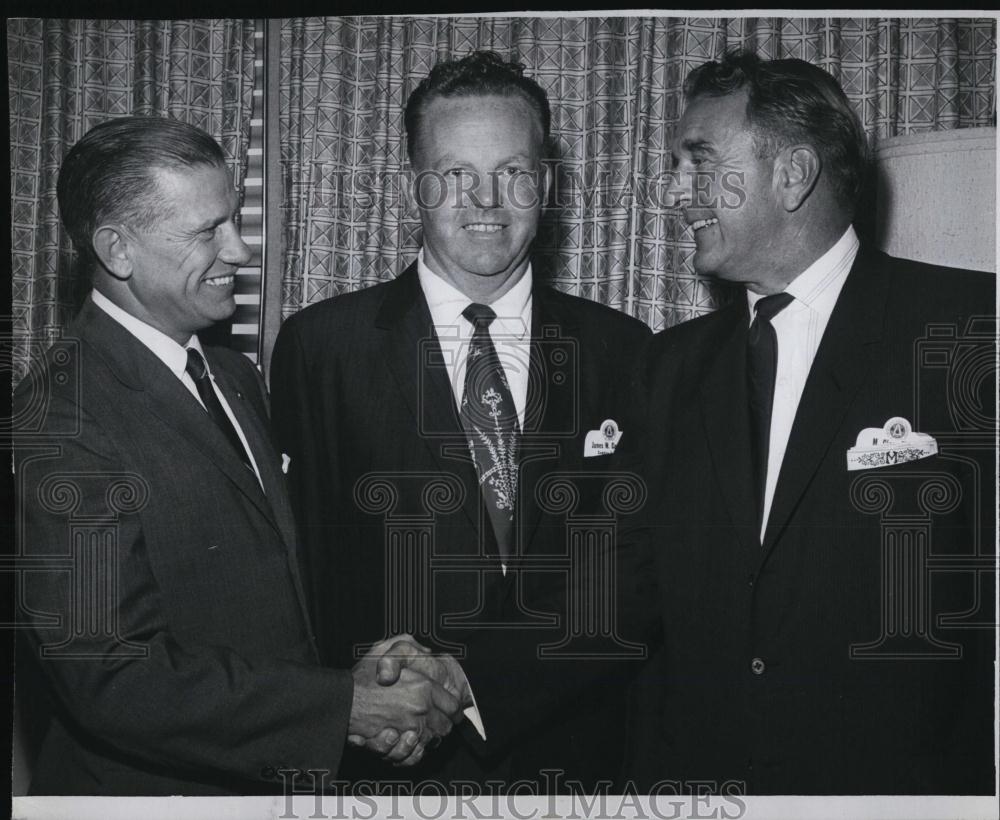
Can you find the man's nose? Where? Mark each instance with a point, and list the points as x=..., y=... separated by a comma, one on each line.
x=681, y=185
x=486, y=191
x=234, y=250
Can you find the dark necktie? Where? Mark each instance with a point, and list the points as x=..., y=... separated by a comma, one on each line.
x=762, y=363
x=490, y=420
x=198, y=371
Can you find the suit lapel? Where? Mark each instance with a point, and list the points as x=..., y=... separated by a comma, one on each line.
x=413, y=355
x=840, y=367
x=276, y=495
x=166, y=397
x=258, y=437
x=721, y=371
x=551, y=406
x=173, y=404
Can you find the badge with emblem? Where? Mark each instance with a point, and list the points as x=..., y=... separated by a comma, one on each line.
x=895, y=442
x=603, y=441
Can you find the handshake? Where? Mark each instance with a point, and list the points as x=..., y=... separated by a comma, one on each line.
x=405, y=698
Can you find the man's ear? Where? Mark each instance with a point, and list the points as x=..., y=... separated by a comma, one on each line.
x=798, y=169
x=112, y=247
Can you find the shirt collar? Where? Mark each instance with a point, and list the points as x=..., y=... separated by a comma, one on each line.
x=446, y=302
x=818, y=286
x=173, y=355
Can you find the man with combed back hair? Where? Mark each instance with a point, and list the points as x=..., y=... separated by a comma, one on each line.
x=821, y=504
x=167, y=616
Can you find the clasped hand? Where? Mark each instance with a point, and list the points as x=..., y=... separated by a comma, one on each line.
x=405, y=698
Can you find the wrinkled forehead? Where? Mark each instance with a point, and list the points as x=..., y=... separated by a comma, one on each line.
x=711, y=119
x=171, y=174
x=189, y=194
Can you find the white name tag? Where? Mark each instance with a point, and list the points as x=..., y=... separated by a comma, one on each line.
x=602, y=442
x=893, y=443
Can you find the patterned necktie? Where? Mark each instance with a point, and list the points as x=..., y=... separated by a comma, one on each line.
x=490, y=420
x=762, y=364
x=198, y=371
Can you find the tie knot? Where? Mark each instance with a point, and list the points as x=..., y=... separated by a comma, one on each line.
x=770, y=306
x=480, y=316
x=195, y=367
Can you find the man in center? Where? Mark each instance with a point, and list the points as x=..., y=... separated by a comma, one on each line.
x=424, y=419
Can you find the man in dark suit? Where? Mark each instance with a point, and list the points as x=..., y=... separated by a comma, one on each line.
x=822, y=491
x=820, y=463
x=164, y=604
x=438, y=425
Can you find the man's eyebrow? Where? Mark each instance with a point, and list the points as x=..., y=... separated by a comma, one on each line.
x=692, y=146
x=518, y=157
x=208, y=224
x=704, y=146
x=448, y=159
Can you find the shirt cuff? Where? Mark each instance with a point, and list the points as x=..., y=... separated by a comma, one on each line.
x=472, y=712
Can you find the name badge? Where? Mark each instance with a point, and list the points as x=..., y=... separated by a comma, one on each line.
x=602, y=442
x=893, y=443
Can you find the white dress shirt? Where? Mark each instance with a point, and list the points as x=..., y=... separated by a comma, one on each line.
x=510, y=331
x=799, y=328
x=174, y=356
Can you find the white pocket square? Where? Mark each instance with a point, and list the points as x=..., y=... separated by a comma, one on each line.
x=895, y=442
x=285, y=461
x=602, y=442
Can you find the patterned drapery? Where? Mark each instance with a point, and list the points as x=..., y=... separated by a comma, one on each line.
x=66, y=76
x=615, y=88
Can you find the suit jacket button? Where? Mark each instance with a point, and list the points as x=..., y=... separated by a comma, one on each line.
x=757, y=666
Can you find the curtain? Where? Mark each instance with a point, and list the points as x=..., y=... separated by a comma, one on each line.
x=65, y=76
x=615, y=88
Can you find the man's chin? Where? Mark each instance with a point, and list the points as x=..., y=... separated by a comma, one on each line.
x=707, y=264
x=221, y=313
x=492, y=268
x=703, y=264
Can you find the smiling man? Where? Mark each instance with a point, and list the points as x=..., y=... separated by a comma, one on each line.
x=170, y=623
x=822, y=502
x=422, y=415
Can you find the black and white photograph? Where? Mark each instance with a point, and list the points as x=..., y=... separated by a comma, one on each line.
x=535, y=414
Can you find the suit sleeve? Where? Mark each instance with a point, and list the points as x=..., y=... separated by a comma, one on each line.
x=121, y=671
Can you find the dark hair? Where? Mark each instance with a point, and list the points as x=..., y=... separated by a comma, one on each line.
x=110, y=174
x=792, y=101
x=479, y=74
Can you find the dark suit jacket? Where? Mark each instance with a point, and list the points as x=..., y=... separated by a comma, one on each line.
x=869, y=606
x=387, y=498
x=168, y=616
x=852, y=652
